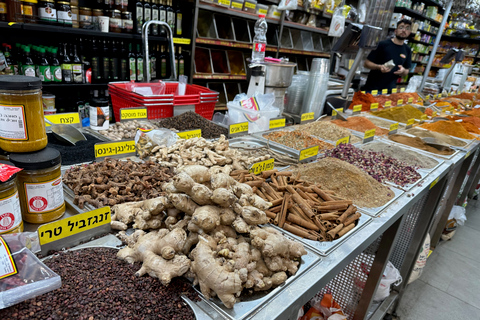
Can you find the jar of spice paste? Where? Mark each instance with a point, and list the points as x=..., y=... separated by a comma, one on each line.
x=10, y=213
x=40, y=185
x=22, y=128
x=47, y=12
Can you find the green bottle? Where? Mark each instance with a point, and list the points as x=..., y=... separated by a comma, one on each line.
x=55, y=69
x=44, y=67
x=139, y=64
x=28, y=67
x=132, y=63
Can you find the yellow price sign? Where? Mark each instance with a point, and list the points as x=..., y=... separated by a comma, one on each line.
x=224, y=2
x=369, y=135
x=374, y=92
x=307, y=117
x=384, y=91
x=238, y=129
x=63, y=118
x=394, y=90
x=133, y=113
x=410, y=100
x=388, y=103
x=428, y=97
x=238, y=5
x=277, y=123
x=410, y=123
x=424, y=117
x=189, y=134
x=308, y=153
x=419, y=100
x=108, y=149
x=374, y=106
x=73, y=225
x=399, y=102
x=402, y=89
x=182, y=40
x=262, y=11
x=250, y=5
x=259, y=167
x=345, y=140
x=467, y=155
x=363, y=92
x=393, y=128
x=434, y=113
x=357, y=108
x=434, y=182
x=275, y=13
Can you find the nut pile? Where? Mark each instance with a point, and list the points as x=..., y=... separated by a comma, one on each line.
x=381, y=167
x=297, y=140
x=112, y=181
x=96, y=285
x=190, y=121
x=126, y=130
x=327, y=130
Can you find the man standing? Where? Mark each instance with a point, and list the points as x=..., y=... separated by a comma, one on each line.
x=381, y=76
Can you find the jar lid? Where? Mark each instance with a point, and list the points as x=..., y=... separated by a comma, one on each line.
x=42, y=159
x=98, y=10
x=13, y=176
x=11, y=82
x=47, y=1
x=85, y=8
x=98, y=102
x=63, y=2
x=116, y=11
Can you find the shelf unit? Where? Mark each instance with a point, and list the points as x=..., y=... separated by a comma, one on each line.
x=415, y=14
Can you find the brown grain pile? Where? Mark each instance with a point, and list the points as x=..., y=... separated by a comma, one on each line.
x=327, y=130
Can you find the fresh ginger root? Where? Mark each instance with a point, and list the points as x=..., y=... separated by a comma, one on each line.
x=146, y=214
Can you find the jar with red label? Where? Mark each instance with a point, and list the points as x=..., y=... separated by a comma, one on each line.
x=10, y=213
x=40, y=185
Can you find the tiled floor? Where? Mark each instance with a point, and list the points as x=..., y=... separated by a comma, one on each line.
x=449, y=287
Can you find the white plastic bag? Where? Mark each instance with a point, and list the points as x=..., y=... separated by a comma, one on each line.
x=458, y=213
x=337, y=26
x=288, y=5
x=421, y=260
x=391, y=275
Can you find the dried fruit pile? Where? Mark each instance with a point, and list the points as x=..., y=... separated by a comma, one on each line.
x=381, y=167
x=297, y=140
x=190, y=121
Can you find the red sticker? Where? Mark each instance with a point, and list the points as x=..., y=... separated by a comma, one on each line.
x=6, y=221
x=260, y=47
x=38, y=203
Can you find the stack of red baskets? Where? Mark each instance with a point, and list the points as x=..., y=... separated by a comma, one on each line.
x=161, y=106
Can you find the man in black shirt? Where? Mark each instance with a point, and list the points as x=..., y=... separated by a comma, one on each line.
x=381, y=76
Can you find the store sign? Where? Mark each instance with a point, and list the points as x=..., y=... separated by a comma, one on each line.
x=307, y=117
x=388, y=104
x=133, y=114
x=259, y=167
x=308, y=154
x=374, y=106
x=189, y=134
x=369, y=135
x=64, y=118
x=237, y=129
x=73, y=225
x=357, y=109
x=410, y=123
x=108, y=149
x=393, y=128
x=399, y=102
x=345, y=140
x=277, y=123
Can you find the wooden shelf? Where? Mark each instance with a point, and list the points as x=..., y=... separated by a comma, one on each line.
x=304, y=27
x=232, y=12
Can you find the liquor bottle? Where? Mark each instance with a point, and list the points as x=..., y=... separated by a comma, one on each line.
x=181, y=63
x=153, y=64
x=147, y=11
x=139, y=16
x=106, y=61
x=28, y=67
x=176, y=61
x=132, y=63
x=123, y=63
x=162, y=14
x=66, y=66
x=163, y=64
x=96, y=63
x=114, y=63
x=155, y=16
x=170, y=16
x=55, y=68
x=77, y=66
x=44, y=67
x=139, y=64
x=178, y=21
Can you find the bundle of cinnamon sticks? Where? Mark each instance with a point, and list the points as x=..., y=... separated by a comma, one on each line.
x=301, y=207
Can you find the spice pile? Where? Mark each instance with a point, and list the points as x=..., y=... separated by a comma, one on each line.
x=112, y=181
x=327, y=130
x=301, y=207
x=365, y=99
x=380, y=122
x=381, y=167
x=297, y=140
x=360, y=124
x=82, y=151
x=347, y=181
x=404, y=96
x=440, y=137
x=448, y=127
x=473, y=120
x=191, y=121
x=418, y=143
x=400, y=114
x=406, y=156
x=96, y=285
x=126, y=129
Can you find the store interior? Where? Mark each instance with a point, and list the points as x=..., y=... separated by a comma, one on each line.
x=239, y=159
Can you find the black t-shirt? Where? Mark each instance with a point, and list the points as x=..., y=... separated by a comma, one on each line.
x=386, y=51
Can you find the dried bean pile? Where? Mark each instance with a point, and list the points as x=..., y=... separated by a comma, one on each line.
x=126, y=129
x=297, y=140
x=112, y=181
x=381, y=167
x=97, y=285
x=190, y=121
x=327, y=130
x=408, y=157
x=347, y=181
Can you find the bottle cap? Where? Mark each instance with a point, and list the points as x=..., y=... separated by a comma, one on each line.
x=261, y=16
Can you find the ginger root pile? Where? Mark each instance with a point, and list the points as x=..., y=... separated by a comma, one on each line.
x=205, y=227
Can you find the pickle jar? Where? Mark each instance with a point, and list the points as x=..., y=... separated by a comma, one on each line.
x=10, y=213
x=40, y=185
x=22, y=128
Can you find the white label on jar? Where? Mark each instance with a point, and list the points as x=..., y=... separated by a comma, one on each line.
x=44, y=197
x=86, y=18
x=147, y=14
x=12, y=123
x=10, y=213
x=48, y=14
x=99, y=118
x=7, y=265
x=171, y=19
x=115, y=23
x=155, y=14
x=127, y=24
x=64, y=17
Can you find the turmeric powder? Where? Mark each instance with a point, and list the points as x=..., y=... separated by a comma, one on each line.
x=449, y=127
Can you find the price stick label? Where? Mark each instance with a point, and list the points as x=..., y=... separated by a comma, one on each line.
x=108, y=149
x=363, y=92
x=388, y=104
x=182, y=40
x=308, y=154
x=335, y=113
x=133, y=113
x=262, y=11
x=224, y=2
x=237, y=5
x=261, y=166
x=357, y=109
x=369, y=135
x=374, y=106
x=435, y=96
x=394, y=90
x=345, y=140
x=238, y=129
x=428, y=97
x=307, y=117
x=393, y=128
x=374, y=92
x=423, y=118
x=73, y=225
x=402, y=89
x=277, y=123
x=189, y=134
x=64, y=118
x=434, y=113
x=410, y=100
x=419, y=100
x=399, y=102
x=434, y=182
x=250, y=5
x=410, y=123
x=384, y=91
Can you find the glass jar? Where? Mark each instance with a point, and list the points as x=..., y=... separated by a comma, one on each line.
x=47, y=12
x=3, y=10
x=86, y=18
x=21, y=103
x=127, y=22
x=115, y=21
x=74, y=3
x=10, y=213
x=75, y=16
x=29, y=10
x=64, y=14
x=40, y=185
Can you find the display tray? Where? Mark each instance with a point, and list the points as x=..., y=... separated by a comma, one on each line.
x=468, y=142
x=375, y=212
x=326, y=247
x=370, y=117
x=258, y=300
x=69, y=196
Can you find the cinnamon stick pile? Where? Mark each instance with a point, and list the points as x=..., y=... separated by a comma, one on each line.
x=301, y=207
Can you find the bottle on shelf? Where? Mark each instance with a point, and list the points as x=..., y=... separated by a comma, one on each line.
x=66, y=66
x=170, y=16
x=86, y=70
x=132, y=63
x=105, y=61
x=139, y=63
x=96, y=63
x=77, y=67
x=114, y=63
x=163, y=64
x=178, y=20
x=138, y=16
x=181, y=63
x=44, y=67
x=155, y=16
x=55, y=68
x=260, y=39
x=162, y=14
x=124, y=76
x=147, y=11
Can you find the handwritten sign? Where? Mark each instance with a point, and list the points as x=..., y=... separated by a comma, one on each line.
x=133, y=113
x=108, y=149
x=369, y=135
x=410, y=123
x=277, y=123
x=357, y=108
x=189, y=134
x=238, y=129
x=307, y=117
x=308, y=154
x=345, y=140
x=63, y=118
x=393, y=128
x=261, y=166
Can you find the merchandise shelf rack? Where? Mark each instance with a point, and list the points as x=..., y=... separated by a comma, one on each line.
x=415, y=14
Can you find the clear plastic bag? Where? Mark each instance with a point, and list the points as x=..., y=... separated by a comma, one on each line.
x=337, y=26
x=288, y=5
x=147, y=89
x=258, y=113
x=146, y=141
x=182, y=85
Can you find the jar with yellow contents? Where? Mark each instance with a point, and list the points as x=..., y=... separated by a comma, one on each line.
x=40, y=185
x=10, y=213
x=22, y=128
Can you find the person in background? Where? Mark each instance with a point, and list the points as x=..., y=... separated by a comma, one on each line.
x=385, y=77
